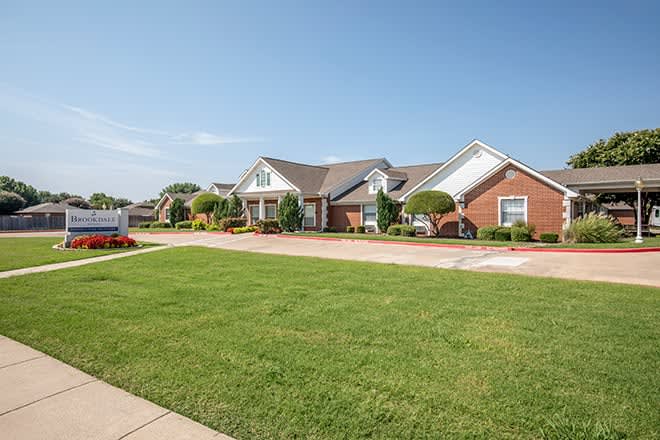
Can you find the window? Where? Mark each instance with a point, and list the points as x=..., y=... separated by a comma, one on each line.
x=512, y=209
x=254, y=213
x=167, y=214
x=271, y=211
x=258, y=181
x=376, y=184
x=369, y=214
x=310, y=214
x=263, y=178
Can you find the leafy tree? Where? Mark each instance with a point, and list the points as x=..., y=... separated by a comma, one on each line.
x=101, y=201
x=433, y=206
x=205, y=204
x=47, y=196
x=176, y=212
x=28, y=192
x=121, y=202
x=78, y=202
x=235, y=206
x=627, y=148
x=220, y=210
x=290, y=213
x=387, y=211
x=180, y=187
x=10, y=202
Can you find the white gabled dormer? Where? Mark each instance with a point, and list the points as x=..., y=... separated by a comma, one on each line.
x=262, y=177
x=382, y=178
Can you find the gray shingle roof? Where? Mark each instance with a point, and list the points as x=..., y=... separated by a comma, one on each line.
x=47, y=208
x=414, y=175
x=624, y=173
x=319, y=178
x=221, y=186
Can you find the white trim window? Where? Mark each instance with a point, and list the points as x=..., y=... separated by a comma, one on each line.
x=271, y=211
x=512, y=209
x=369, y=214
x=263, y=178
x=254, y=213
x=377, y=182
x=309, y=220
x=167, y=215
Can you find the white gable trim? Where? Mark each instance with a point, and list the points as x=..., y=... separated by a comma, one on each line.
x=162, y=200
x=453, y=159
x=510, y=161
x=262, y=161
x=349, y=183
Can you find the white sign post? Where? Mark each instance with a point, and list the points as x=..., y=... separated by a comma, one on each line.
x=92, y=222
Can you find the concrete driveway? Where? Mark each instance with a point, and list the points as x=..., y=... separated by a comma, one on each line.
x=632, y=268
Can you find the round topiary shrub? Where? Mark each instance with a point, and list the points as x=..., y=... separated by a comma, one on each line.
x=520, y=233
x=549, y=237
x=487, y=232
x=503, y=234
x=350, y=229
x=360, y=229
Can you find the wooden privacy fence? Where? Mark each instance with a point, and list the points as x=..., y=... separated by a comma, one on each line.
x=31, y=223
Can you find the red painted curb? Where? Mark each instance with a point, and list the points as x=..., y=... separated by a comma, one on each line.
x=21, y=231
x=479, y=248
x=590, y=251
x=180, y=232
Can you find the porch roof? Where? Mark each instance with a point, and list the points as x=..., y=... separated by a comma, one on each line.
x=607, y=179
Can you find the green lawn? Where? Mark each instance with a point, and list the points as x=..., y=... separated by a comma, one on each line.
x=266, y=346
x=627, y=243
x=17, y=253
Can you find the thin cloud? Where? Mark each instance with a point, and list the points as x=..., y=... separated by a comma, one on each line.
x=92, y=116
x=116, y=143
x=203, y=138
x=325, y=160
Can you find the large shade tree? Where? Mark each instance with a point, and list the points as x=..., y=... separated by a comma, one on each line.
x=626, y=148
x=10, y=202
x=28, y=192
x=180, y=187
x=430, y=207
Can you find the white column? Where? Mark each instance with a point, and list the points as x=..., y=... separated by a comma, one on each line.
x=460, y=218
x=568, y=214
x=324, y=212
x=262, y=209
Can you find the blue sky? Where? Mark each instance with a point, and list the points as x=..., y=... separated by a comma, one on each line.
x=125, y=98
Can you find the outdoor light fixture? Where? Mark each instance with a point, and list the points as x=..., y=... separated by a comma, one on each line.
x=639, y=186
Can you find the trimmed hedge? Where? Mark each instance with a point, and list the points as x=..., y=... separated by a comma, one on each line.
x=232, y=222
x=403, y=230
x=350, y=229
x=487, y=232
x=268, y=226
x=144, y=225
x=360, y=229
x=503, y=234
x=243, y=229
x=329, y=229
x=549, y=237
x=212, y=227
x=520, y=233
x=160, y=225
x=186, y=224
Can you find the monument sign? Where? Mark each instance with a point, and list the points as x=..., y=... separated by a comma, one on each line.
x=92, y=222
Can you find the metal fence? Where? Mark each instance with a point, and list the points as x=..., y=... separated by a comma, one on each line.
x=31, y=223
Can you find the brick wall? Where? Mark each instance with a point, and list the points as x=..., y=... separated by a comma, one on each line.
x=341, y=216
x=625, y=216
x=544, y=203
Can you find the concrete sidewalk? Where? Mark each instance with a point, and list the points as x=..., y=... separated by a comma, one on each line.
x=43, y=398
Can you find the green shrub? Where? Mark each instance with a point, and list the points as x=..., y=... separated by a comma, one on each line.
x=520, y=233
x=205, y=204
x=268, y=226
x=186, y=224
x=350, y=229
x=244, y=229
x=177, y=211
x=503, y=234
x=144, y=225
x=404, y=230
x=329, y=229
x=212, y=227
x=487, y=232
x=160, y=225
x=232, y=222
x=198, y=225
x=387, y=211
x=432, y=206
x=408, y=230
x=549, y=237
x=594, y=228
x=394, y=230
x=290, y=213
x=360, y=229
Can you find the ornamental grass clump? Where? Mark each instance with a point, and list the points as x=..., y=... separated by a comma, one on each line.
x=594, y=228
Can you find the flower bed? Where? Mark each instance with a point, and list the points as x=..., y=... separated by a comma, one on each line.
x=102, y=242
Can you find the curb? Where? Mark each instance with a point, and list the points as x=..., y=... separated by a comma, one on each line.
x=180, y=232
x=478, y=248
